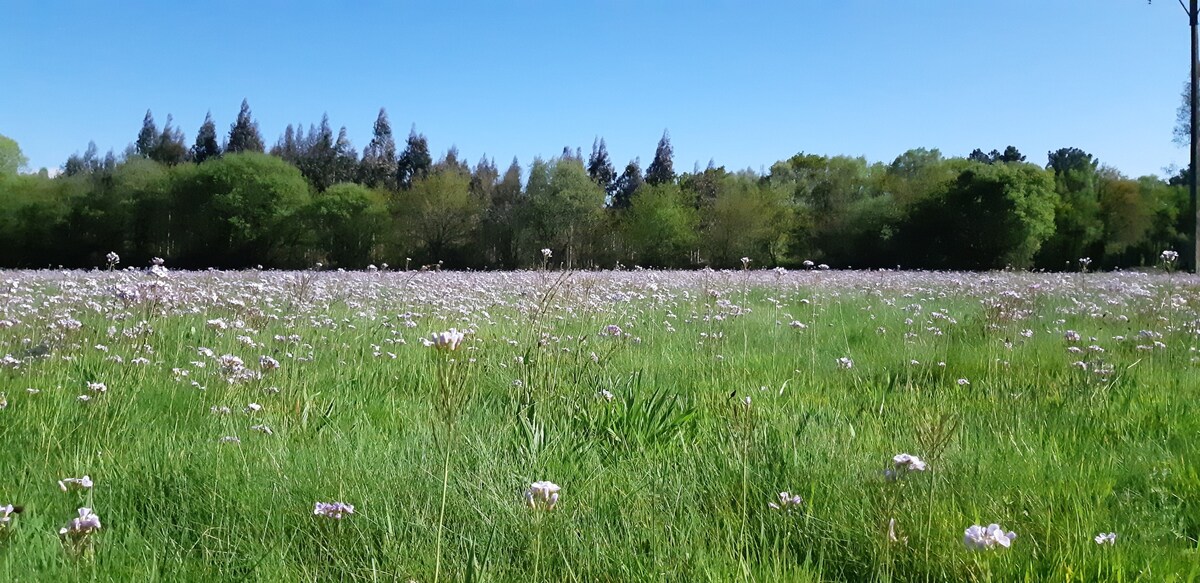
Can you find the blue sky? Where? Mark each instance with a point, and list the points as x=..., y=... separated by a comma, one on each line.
x=743, y=83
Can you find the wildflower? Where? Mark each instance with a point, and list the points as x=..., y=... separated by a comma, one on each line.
x=6, y=513
x=268, y=363
x=1084, y=262
x=83, y=398
x=230, y=440
x=542, y=495
x=1170, y=256
x=83, y=483
x=746, y=262
x=80, y=527
x=787, y=502
x=157, y=261
x=797, y=324
x=112, y=258
x=222, y=410
x=253, y=408
x=97, y=387
x=891, y=534
x=963, y=382
x=606, y=395
x=546, y=254
x=334, y=510
x=3, y=401
x=1071, y=336
x=1104, y=538
x=449, y=340
x=845, y=362
x=612, y=330
x=262, y=429
x=908, y=463
x=978, y=538
x=808, y=263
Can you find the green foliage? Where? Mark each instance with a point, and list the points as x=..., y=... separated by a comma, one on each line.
x=439, y=216
x=565, y=207
x=238, y=210
x=243, y=134
x=749, y=218
x=347, y=223
x=11, y=158
x=206, y=146
x=662, y=168
x=990, y=217
x=415, y=162
x=660, y=228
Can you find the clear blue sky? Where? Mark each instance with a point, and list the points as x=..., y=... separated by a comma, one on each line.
x=744, y=83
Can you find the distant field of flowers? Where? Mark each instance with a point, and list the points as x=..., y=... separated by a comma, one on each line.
x=765, y=425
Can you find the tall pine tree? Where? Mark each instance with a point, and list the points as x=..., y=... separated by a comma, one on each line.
x=147, y=139
x=206, y=147
x=627, y=184
x=662, y=169
x=415, y=162
x=379, y=157
x=600, y=167
x=243, y=134
x=170, y=148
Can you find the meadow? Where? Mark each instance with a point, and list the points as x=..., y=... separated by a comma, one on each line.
x=745, y=425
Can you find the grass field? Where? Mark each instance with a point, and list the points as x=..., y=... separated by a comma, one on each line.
x=670, y=408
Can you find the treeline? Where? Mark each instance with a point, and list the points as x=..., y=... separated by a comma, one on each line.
x=230, y=201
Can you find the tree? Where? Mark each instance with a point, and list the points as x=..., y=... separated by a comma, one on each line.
x=565, y=207
x=206, y=147
x=169, y=149
x=439, y=215
x=600, y=167
x=662, y=169
x=238, y=211
x=243, y=134
x=500, y=221
x=660, y=228
x=747, y=218
x=11, y=158
x=1078, y=224
x=415, y=161
x=379, y=157
x=989, y=217
x=345, y=224
x=1010, y=154
x=626, y=185
x=147, y=139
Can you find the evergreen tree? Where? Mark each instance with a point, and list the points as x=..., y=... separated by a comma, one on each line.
x=415, y=162
x=600, y=167
x=243, y=134
x=345, y=159
x=206, y=147
x=1011, y=154
x=626, y=185
x=285, y=147
x=147, y=139
x=170, y=148
x=662, y=169
x=379, y=157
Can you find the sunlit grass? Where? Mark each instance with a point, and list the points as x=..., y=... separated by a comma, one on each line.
x=670, y=479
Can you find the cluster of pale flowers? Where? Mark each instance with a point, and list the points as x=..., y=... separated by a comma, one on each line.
x=542, y=495
x=979, y=538
x=334, y=510
x=787, y=502
x=448, y=340
x=78, y=528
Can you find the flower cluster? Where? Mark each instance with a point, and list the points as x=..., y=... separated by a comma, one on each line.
x=542, y=495
x=978, y=538
x=902, y=464
x=787, y=502
x=334, y=510
x=449, y=340
x=80, y=527
x=1106, y=538
x=67, y=484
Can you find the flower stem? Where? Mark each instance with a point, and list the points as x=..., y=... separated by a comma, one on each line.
x=437, y=565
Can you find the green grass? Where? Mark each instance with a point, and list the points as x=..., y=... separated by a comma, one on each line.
x=668, y=481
